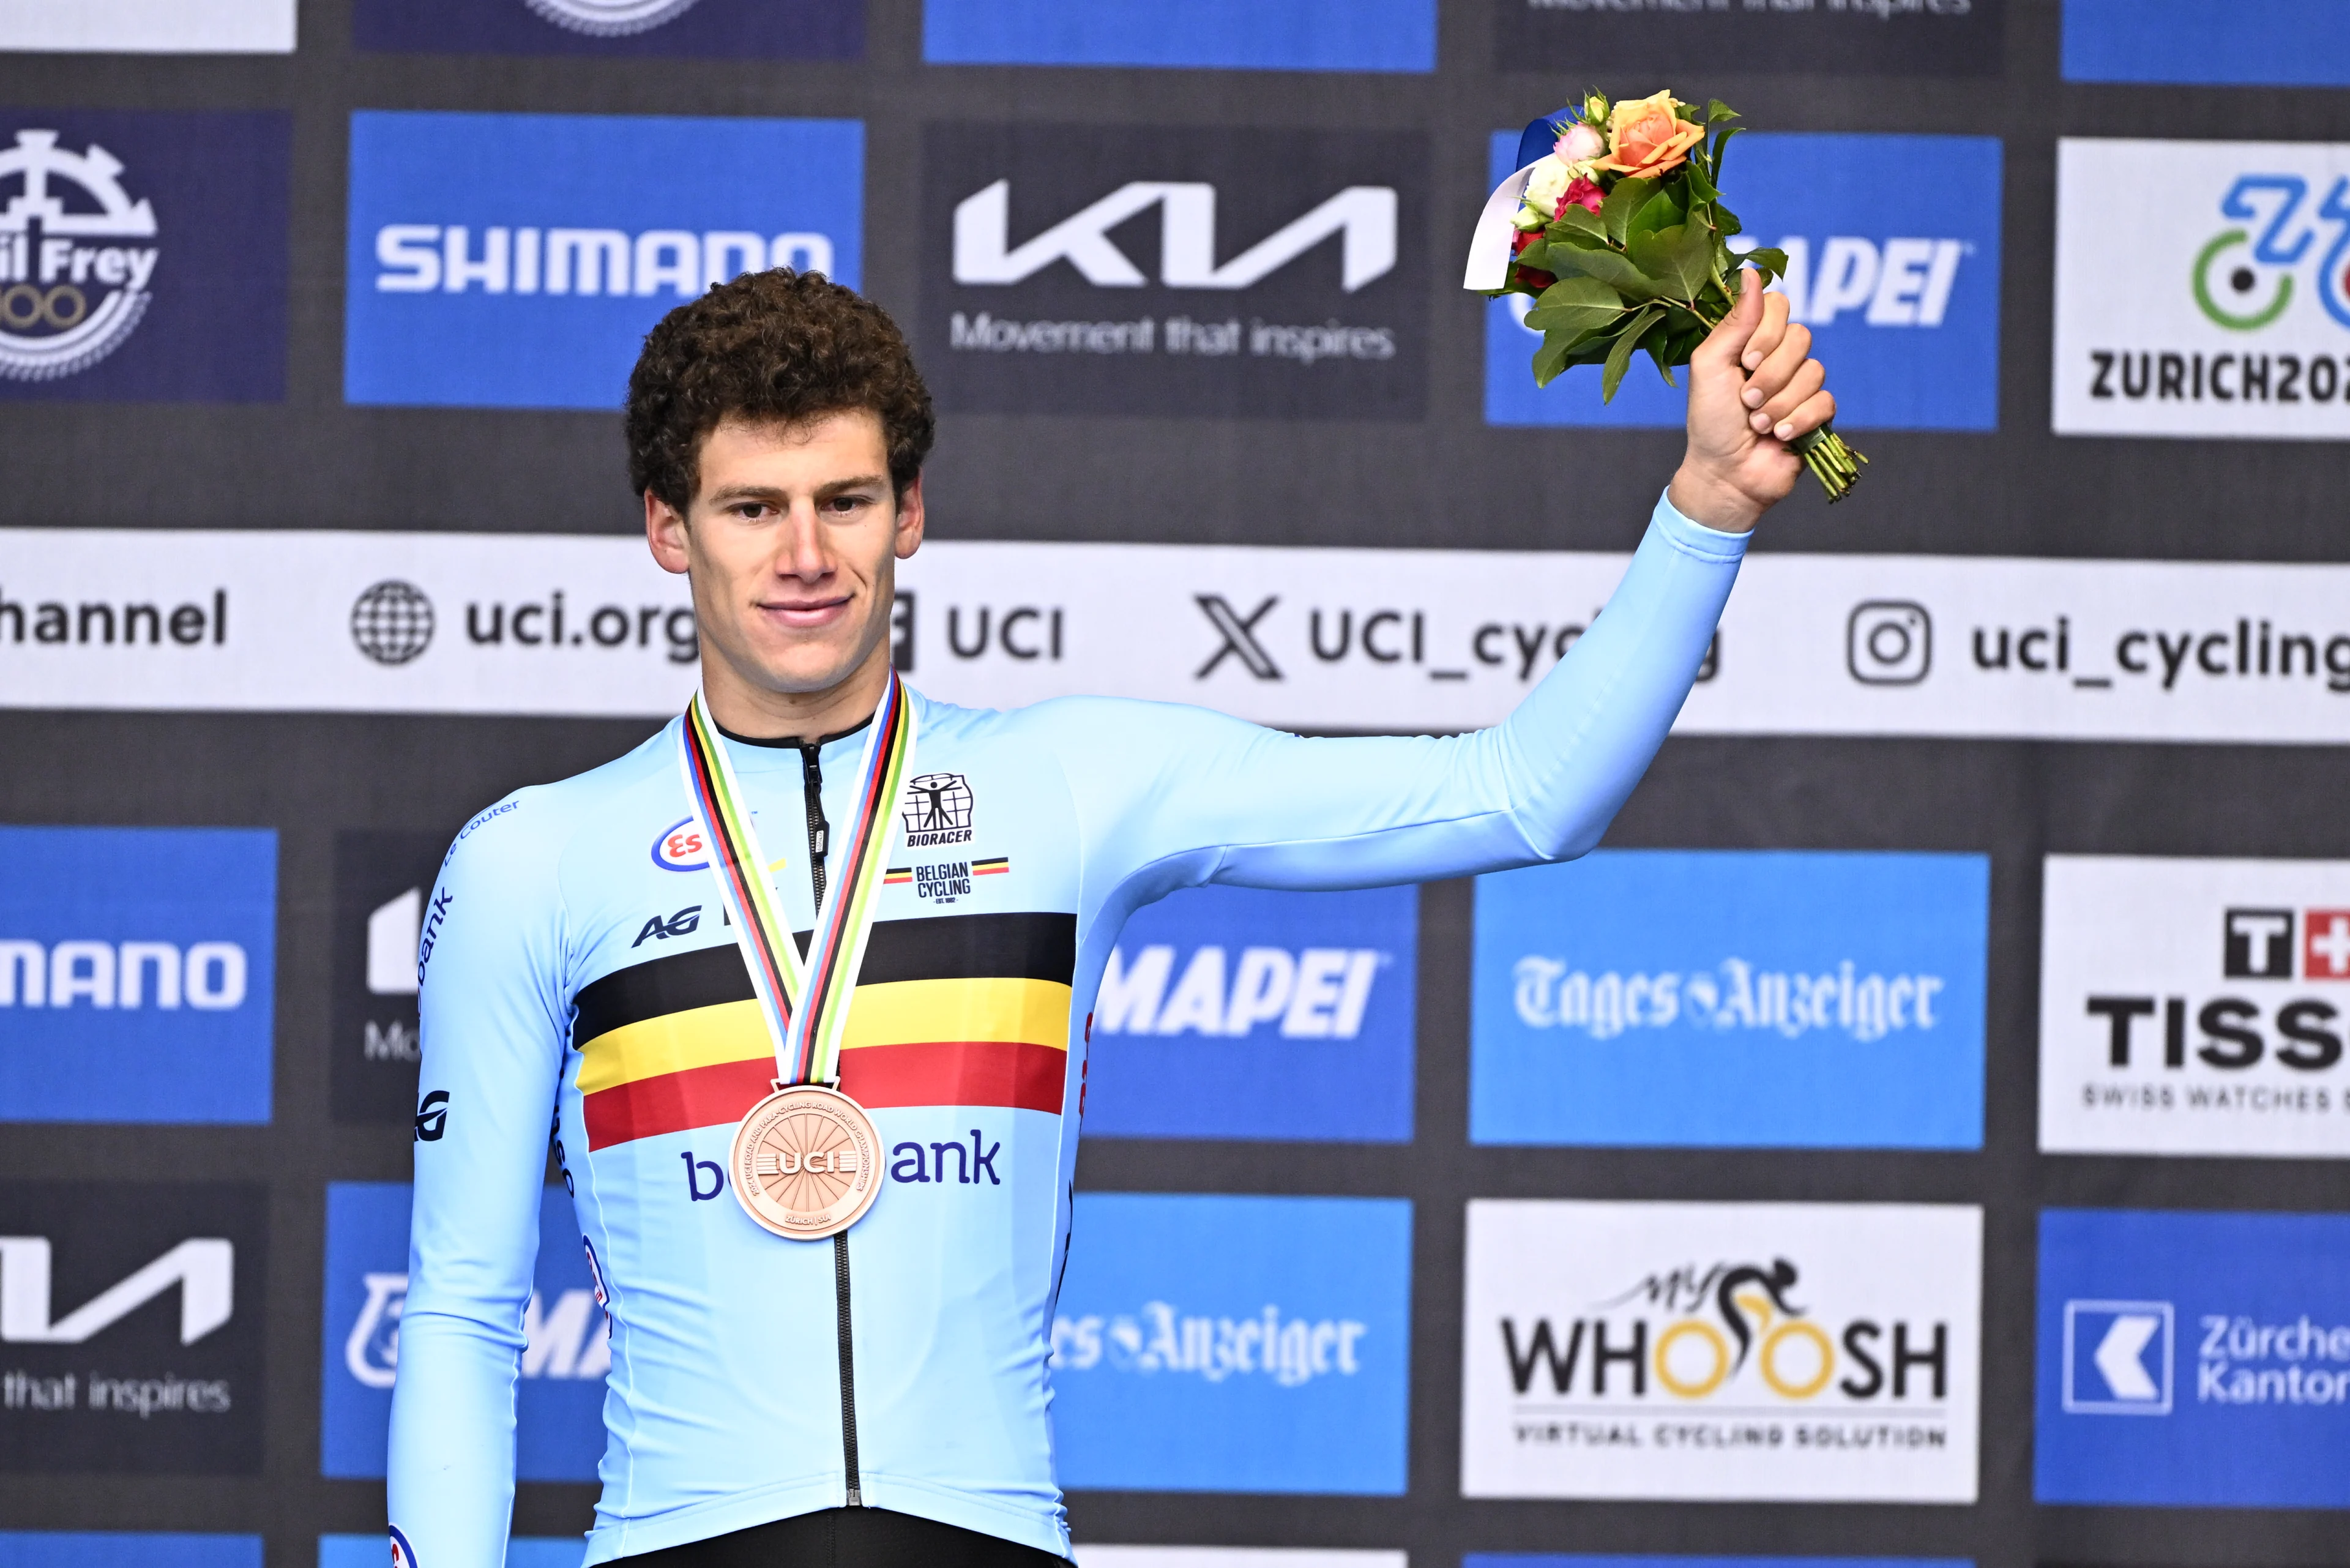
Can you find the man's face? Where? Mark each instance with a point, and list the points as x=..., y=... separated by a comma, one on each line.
x=790, y=544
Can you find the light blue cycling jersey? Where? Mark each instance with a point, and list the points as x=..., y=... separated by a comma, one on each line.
x=566, y=975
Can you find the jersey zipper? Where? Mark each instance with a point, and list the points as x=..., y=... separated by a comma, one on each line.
x=819, y=833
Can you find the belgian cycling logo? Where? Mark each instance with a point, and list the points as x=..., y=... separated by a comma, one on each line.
x=938, y=810
x=610, y=19
x=2244, y=275
x=391, y=622
x=70, y=291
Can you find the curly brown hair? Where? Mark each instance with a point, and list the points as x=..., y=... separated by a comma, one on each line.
x=784, y=347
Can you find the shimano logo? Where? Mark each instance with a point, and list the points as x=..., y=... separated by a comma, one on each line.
x=559, y=1340
x=74, y=280
x=1364, y=216
x=206, y=975
x=426, y=258
x=1288, y=1351
x=1313, y=994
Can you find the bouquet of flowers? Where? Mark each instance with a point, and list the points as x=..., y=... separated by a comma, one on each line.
x=1620, y=236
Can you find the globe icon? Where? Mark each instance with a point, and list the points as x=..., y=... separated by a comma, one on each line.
x=392, y=621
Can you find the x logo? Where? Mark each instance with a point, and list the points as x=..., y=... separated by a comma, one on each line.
x=1239, y=635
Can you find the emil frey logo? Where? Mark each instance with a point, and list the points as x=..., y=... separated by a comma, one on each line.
x=2118, y=1357
x=610, y=19
x=76, y=257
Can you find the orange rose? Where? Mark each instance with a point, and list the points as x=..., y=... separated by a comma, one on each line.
x=1646, y=139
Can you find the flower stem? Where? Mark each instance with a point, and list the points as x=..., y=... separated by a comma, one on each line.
x=1835, y=466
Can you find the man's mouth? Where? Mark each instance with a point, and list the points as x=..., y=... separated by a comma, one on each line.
x=805, y=614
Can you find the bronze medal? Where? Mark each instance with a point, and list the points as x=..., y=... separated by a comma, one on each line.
x=807, y=1162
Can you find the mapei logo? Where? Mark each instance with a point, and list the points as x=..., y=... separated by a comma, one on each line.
x=2243, y=277
x=2118, y=1357
x=517, y=260
x=76, y=257
x=1308, y=993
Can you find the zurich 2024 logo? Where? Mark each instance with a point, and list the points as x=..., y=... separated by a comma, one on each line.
x=1237, y=1012
x=2245, y=274
x=1893, y=255
x=516, y=261
x=2220, y=1342
x=1776, y=998
x=1228, y=1344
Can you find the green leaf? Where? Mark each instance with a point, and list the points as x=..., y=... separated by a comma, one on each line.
x=1681, y=257
x=1716, y=111
x=1768, y=260
x=1720, y=146
x=1700, y=179
x=1536, y=255
x=1578, y=221
x=1610, y=267
x=1619, y=357
x=1551, y=357
x=1661, y=210
x=1577, y=307
x=1629, y=197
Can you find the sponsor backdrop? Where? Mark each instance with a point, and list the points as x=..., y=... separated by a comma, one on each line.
x=1915, y=1137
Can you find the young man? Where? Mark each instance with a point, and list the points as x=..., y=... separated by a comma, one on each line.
x=880, y=1396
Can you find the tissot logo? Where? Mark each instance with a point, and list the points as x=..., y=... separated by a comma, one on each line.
x=1094, y=269
x=2195, y=1006
x=131, y=1326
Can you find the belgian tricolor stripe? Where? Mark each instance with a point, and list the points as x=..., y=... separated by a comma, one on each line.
x=995, y=867
x=968, y=1009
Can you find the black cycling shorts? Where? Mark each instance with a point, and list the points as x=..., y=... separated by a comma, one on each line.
x=850, y=1538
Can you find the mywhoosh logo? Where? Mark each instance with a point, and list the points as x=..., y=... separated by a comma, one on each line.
x=1236, y=1012
x=2223, y=1332
x=567, y=1350
x=1724, y=1350
x=169, y=956
x=76, y=279
x=2226, y=312
x=1116, y=270
x=1780, y=998
x=1195, y=1336
x=1902, y=290
x=142, y=256
x=2118, y=1357
x=130, y=1327
x=529, y=282
x=2195, y=1006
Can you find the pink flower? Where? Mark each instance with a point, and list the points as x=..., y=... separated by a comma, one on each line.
x=1578, y=143
x=1582, y=194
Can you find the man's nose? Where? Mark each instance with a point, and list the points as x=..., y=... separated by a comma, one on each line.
x=804, y=555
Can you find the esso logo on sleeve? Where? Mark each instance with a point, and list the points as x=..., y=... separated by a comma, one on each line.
x=680, y=847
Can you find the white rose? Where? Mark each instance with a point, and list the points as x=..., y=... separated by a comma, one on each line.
x=1545, y=186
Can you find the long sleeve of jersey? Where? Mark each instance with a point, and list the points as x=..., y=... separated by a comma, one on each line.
x=493, y=1029
x=1191, y=797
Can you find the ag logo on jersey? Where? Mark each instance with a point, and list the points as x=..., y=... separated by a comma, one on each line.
x=937, y=810
x=162, y=231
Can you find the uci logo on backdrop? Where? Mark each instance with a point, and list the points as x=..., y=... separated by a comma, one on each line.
x=142, y=256
x=2224, y=309
x=1893, y=249
x=517, y=260
x=1233, y=1344
x=2193, y=1359
x=565, y=1353
x=1233, y=1012
x=137, y=973
x=1087, y=269
x=1732, y=998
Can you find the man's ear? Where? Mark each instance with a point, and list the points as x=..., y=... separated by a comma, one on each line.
x=909, y=519
x=665, y=532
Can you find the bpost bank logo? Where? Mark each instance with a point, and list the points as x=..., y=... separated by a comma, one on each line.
x=130, y=1327
x=1237, y=1012
x=517, y=260
x=2194, y=1007
x=1223, y=1344
x=565, y=1355
x=1116, y=270
x=734, y=30
x=1773, y=998
x=1912, y=38
x=125, y=954
x=133, y=246
x=2220, y=1340
x=2223, y=311
x=1893, y=262
x=1722, y=1350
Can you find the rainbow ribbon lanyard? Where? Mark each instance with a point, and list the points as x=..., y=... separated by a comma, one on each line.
x=805, y=1002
